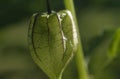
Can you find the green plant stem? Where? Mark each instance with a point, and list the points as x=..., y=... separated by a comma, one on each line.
x=82, y=70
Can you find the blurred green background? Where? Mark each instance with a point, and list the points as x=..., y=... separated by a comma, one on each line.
x=97, y=21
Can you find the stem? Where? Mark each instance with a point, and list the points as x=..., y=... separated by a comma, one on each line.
x=48, y=7
x=82, y=70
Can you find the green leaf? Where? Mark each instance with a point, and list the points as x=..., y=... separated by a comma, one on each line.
x=105, y=54
x=99, y=52
x=98, y=40
x=53, y=41
x=114, y=49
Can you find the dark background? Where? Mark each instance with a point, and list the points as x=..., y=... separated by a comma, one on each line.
x=96, y=19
